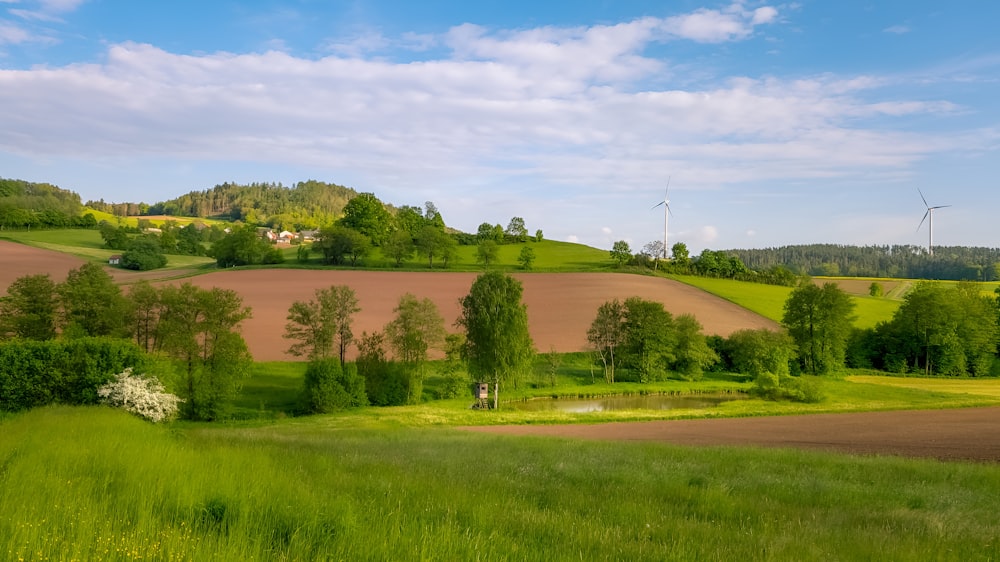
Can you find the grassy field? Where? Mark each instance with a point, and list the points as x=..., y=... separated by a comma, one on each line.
x=89, y=245
x=97, y=484
x=769, y=300
x=550, y=256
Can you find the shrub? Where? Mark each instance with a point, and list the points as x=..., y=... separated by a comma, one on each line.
x=328, y=387
x=37, y=373
x=139, y=395
x=770, y=386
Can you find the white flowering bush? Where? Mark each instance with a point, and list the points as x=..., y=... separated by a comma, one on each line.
x=140, y=395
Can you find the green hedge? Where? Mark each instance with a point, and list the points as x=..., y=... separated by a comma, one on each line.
x=36, y=373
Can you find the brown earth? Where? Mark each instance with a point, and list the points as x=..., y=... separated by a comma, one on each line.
x=18, y=260
x=561, y=306
x=858, y=287
x=963, y=434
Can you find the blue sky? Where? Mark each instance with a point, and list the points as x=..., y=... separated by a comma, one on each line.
x=775, y=123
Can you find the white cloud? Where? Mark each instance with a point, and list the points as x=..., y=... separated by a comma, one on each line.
x=13, y=35
x=606, y=231
x=708, y=234
x=716, y=26
x=573, y=238
x=897, y=29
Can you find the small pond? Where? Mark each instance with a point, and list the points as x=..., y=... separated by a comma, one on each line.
x=631, y=402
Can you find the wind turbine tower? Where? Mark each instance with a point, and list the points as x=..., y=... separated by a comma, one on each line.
x=666, y=213
x=929, y=217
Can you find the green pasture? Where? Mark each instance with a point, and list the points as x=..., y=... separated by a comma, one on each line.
x=769, y=300
x=550, y=256
x=92, y=483
x=88, y=244
x=271, y=392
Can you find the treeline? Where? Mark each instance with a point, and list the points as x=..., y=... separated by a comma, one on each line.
x=958, y=263
x=25, y=204
x=305, y=205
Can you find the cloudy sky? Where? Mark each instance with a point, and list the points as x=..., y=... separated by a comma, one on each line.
x=774, y=123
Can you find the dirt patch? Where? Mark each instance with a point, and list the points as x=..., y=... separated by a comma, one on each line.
x=561, y=306
x=962, y=434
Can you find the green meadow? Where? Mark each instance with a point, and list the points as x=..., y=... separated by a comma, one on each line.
x=769, y=300
x=88, y=245
x=92, y=483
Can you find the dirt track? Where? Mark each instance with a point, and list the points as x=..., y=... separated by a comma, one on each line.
x=963, y=434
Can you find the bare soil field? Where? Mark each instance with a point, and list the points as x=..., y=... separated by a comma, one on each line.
x=859, y=287
x=18, y=260
x=964, y=434
x=561, y=306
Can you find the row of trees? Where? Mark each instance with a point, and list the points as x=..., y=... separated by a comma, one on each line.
x=938, y=329
x=899, y=261
x=642, y=337
x=196, y=331
x=494, y=344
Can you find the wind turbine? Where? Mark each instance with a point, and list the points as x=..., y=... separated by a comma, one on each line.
x=666, y=212
x=929, y=217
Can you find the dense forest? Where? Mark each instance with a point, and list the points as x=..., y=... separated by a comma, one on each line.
x=25, y=204
x=900, y=261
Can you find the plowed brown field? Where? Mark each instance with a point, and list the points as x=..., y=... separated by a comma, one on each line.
x=561, y=306
x=964, y=434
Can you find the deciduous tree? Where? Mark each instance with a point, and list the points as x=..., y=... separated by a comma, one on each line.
x=819, y=319
x=323, y=325
x=30, y=309
x=606, y=334
x=498, y=347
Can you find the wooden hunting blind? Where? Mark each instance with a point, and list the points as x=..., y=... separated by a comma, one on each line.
x=482, y=390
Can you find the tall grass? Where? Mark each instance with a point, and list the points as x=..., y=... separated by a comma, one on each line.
x=97, y=484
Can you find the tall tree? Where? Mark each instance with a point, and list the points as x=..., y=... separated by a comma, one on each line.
x=431, y=242
x=92, y=303
x=417, y=328
x=30, y=309
x=366, y=214
x=487, y=252
x=620, y=252
x=820, y=320
x=144, y=314
x=323, y=325
x=498, y=347
x=691, y=353
x=516, y=230
x=200, y=329
x=399, y=246
x=650, y=339
x=606, y=334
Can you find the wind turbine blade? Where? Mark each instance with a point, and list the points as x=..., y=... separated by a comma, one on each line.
x=940, y=207
x=657, y=205
x=667, y=189
x=922, y=197
x=669, y=210
x=923, y=219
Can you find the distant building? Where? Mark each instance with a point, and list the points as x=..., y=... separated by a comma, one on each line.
x=115, y=259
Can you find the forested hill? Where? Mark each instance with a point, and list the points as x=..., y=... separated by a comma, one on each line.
x=906, y=261
x=26, y=204
x=311, y=202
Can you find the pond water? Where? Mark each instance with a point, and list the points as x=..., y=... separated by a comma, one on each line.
x=634, y=402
